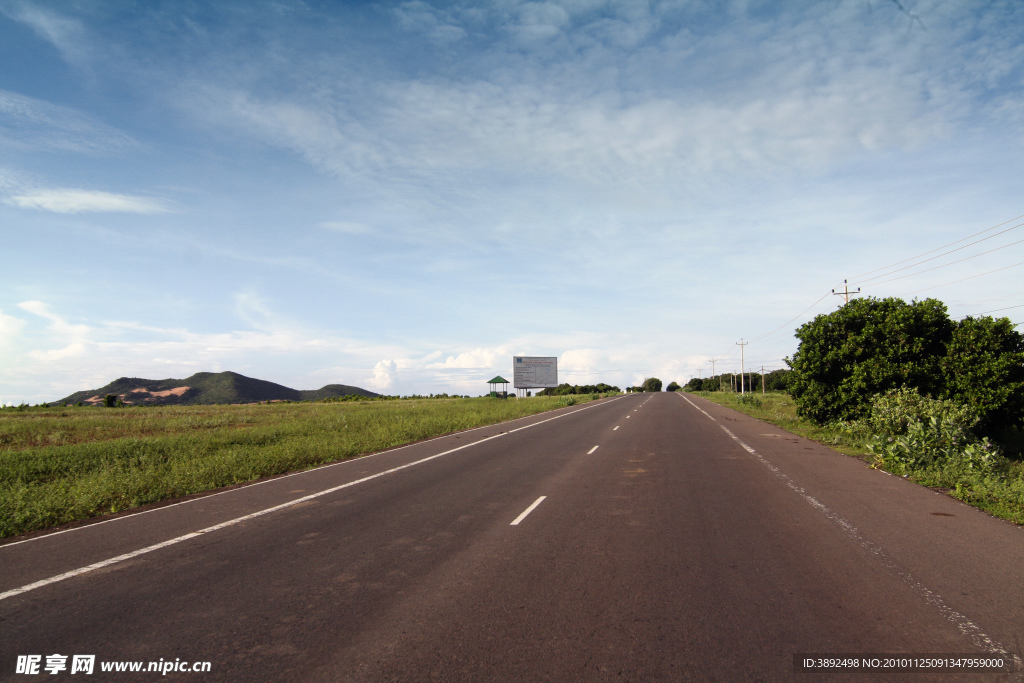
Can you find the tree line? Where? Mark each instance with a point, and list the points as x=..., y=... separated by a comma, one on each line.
x=776, y=380
x=572, y=389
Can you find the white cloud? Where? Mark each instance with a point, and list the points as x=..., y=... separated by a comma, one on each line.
x=385, y=373
x=68, y=200
x=66, y=34
x=538, y=22
x=28, y=123
x=10, y=330
x=583, y=359
x=476, y=358
x=422, y=18
x=73, y=337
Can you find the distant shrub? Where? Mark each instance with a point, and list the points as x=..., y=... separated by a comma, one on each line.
x=750, y=400
x=651, y=384
x=568, y=400
x=110, y=401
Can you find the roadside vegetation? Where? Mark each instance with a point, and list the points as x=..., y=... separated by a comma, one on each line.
x=63, y=464
x=577, y=389
x=912, y=392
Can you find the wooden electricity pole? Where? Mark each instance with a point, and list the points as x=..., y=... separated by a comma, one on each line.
x=846, y=293
x=741, y=344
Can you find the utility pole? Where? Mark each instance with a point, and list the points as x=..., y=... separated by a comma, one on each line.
x=713, y=373
x=846, y=293
x=762, y=380
x=741, y=344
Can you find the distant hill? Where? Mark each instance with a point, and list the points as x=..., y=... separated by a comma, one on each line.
x=206, y=388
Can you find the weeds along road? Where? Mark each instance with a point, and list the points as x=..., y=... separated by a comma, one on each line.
x=673, y=540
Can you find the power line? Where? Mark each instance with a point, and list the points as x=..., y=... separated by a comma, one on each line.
x=914, y=258
x=951, y=263
x=823, y=297
x=914, y=265
x=963, y=279
x=1001, y=296
x=996, y=310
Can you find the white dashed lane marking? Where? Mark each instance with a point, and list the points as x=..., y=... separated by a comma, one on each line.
x=527, y=511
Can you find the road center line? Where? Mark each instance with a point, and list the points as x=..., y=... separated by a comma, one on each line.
x=592, y=450
x=615, y=427
x=231, y=522
x=527, y=511
x=963, y=624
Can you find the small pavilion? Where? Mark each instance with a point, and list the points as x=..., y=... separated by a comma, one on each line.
x=493, y=386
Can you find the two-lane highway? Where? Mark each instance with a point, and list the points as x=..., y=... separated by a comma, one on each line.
x=650, y=537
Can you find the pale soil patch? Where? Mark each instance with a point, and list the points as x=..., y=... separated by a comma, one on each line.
x=176, y=391
x=147, y=395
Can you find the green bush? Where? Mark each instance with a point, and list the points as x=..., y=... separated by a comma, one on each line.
x=865, y=348
x=872, y=346
x=984, y=369
x=914, y=432
x=651, y=384
x=568, y=400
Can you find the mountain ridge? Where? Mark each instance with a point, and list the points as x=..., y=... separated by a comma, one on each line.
x=205, y=388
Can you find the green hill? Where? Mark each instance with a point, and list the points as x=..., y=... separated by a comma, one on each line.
x=206, y=388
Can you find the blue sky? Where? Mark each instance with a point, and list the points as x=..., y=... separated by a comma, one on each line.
x=404, y=195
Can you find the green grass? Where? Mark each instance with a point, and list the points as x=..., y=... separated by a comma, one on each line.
x=59, y=465
x=1000, y=493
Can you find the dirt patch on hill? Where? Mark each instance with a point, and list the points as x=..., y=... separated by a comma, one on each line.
x=176, y=391
x=139, y=395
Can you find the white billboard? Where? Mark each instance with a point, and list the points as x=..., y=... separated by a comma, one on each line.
x=534, y=372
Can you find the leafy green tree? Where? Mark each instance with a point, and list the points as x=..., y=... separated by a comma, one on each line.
x=867, y=347
x=673, y=386
x=984, y=370
x=776, y=380
x=651, y=384
x=695, y=384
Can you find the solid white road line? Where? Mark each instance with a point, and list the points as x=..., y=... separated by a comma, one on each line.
x=223, y=525
x=592, y=450
x=527, y=511
x=963, y=624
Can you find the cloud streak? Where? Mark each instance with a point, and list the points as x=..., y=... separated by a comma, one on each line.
x=68, y=200
x=31, y=124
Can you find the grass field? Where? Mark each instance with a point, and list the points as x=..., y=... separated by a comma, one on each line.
x=59, y=465
x=1000, y=493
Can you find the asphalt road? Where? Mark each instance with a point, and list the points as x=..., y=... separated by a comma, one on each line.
x=693, y=543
